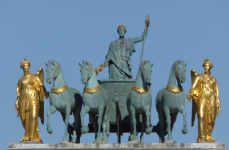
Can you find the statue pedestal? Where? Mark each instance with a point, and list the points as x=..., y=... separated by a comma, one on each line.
x=137, y=146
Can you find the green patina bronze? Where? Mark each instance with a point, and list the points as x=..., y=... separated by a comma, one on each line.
x=119, y=55
x=67, y=102
x=93, y=103
x=169, y=103
x=141, y=103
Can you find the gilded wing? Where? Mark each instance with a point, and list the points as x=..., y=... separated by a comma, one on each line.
x=40, y=73
x=193, y=77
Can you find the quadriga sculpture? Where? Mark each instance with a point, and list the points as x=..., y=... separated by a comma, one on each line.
x=95, y=100
x=140, y=100
x=64, y=99
x=170, y=101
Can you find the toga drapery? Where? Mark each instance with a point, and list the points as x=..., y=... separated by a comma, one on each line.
x=119, y=58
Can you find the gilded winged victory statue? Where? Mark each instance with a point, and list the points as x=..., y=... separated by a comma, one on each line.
x=205, y=95
x=30, y=101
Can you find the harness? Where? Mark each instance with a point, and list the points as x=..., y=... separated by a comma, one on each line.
x=172, y=89
x=92, y=90
x=59, y=90
x=141, y=90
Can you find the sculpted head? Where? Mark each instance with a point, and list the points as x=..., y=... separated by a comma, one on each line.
x=25, y=64
x=208, y=65
x=180, y=69
x=121, y=30
x=146, y=70
x=52, y=71
x=86, y=71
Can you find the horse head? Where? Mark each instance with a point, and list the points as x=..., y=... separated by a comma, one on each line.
x=146, y=70
x=180, y=70
x=52, y=71
x=86, y=71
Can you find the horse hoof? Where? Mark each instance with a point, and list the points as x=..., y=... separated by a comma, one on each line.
x=170, y=138
x=105, y=139
x=98, y=138
x=107, y=134
x=134, y=138
x=49, y=130
x=184, y=130
x=84, y=130
x=148, y=130
x=74, y=137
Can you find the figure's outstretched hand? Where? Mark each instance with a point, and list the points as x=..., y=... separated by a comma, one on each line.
x=105, y=64
x=189, y=97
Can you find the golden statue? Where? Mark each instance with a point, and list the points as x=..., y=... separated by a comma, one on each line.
x=30, y=101
x=205, y=95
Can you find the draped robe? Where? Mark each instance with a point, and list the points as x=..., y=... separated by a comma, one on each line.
x=119, y=54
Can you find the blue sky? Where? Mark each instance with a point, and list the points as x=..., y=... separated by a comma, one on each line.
x=71, y=31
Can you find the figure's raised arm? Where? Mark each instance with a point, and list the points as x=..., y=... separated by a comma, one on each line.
x=141, y=38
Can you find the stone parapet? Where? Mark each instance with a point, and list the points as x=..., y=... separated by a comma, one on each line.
x=137, y=146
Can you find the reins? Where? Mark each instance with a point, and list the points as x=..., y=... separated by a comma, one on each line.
x=89, y=71
x=54, y=72
x=177, y=71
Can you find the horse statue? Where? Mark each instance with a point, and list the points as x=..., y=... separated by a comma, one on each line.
x=64, y=99
x=170, y=101
x=95, y=101
x=140, y=101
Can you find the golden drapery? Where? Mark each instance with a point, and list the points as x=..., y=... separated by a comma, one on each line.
x=206, y=104
x=30, y=104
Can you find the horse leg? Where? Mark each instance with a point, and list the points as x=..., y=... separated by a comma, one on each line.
x=143, y=124
x=108, y=128
x=100, y=112
x=168, y=122
x=66, y=121
x=76, y=126
x=51, y=110
x=182, y=110
x=134, y=122
x=94, y=124
x=161, y=126
x=104, y=129
x=130, y=121
x=70, y=128
x=84, y=129
x=147, y=113
x=173, y=120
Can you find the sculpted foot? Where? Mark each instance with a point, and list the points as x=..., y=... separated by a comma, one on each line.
x=74, y=137
x=142, y=139
x=184, y=130
x=170, y=138
x=105, y=139
x=49, y=129
x=65, y=138
x=134, y=138
x=84, y=129
x=98, y=138
x=148, y=130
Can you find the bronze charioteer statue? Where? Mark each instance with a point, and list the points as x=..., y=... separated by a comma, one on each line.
x=120, y=51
